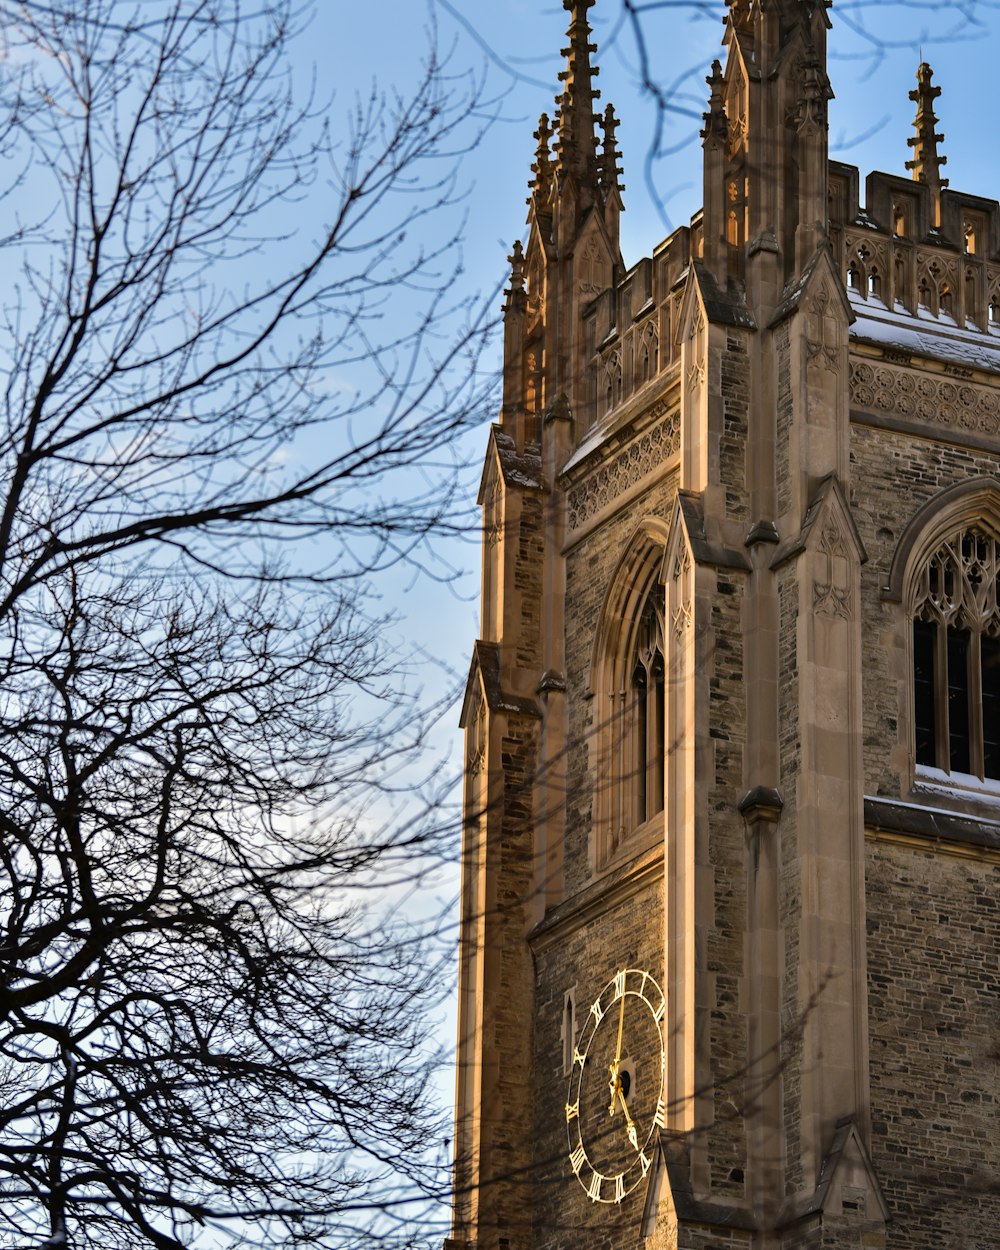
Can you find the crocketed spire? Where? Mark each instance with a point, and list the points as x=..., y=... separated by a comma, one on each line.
x=577, y=145
x=515, y=294
x=716, y=123
x=541, y=183
x=927, y=162
x=610, y=155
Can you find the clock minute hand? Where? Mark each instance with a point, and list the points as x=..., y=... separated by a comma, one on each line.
x=614, y=1067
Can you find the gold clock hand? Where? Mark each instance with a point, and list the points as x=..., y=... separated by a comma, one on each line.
x=615, y=1083
x=630, y=1129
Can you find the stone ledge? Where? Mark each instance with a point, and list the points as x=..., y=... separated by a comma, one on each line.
x=953, y=831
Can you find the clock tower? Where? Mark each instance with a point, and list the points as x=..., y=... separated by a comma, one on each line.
x=729, y=971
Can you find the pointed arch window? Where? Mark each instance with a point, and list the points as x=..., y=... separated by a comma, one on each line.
x=613, y=381
x=629, y=685
x=649, y=353
x=646, y=729
x=956, y=656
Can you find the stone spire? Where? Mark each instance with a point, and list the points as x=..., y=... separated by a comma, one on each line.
x=541, y=183
x=716, y=122
x=715, y=137
x=577, y=144
x=610, y=155
x=926, y=163
x=516, y=296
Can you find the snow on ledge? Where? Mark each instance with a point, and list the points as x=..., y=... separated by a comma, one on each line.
x=936, y=782
x=924, y=335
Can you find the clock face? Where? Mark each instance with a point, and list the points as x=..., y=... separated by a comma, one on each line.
x=617, y=1095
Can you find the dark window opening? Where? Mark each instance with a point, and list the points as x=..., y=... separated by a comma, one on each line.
x=923, y=692
x=649, y=695
x=991, y=706
x=960, y=758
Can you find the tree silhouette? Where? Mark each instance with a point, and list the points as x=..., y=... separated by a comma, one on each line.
x=202, y=1024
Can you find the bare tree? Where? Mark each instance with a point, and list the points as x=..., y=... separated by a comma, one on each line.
x=203, y=1029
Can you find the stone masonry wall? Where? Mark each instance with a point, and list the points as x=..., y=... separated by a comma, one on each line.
x=512, y=992
x=528, y=579
x=934, y=1009
x=933, y=918
x=736, y=408
x=789, y=887
x=727, y=852
x=583, y=958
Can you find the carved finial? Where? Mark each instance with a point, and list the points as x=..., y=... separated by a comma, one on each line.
x=515, y=293
x=516, y=259
x=577, y=141
x=541, y=184
x=610, y=156
x=716, y=123
x=740, y=14
x=927, y=162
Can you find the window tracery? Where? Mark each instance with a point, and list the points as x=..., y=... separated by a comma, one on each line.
x=612, y=381
x=956, y=656
x=649, y=353
x=629, y=684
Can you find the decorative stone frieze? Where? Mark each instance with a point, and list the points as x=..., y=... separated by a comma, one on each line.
x=923, y=397
x=631, y=465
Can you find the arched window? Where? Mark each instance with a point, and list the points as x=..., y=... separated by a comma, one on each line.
x=875, y=284
x=971, y=298
x=613, y=380
x=648, y=713
x=569, y=1030
x=901, y=291
x=956, y=655
x=629, y=748
x=649, y=352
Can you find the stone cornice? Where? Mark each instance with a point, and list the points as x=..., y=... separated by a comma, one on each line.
x=929, y=828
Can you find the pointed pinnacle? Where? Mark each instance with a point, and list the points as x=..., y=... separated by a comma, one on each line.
x=577, y=146
x=716, y=121
x=927, y=161
x=541, y=168
x=609, y=167
x=515, y=295
x=516, y=260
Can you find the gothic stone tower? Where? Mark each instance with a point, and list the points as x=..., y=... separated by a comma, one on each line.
x=731, y=894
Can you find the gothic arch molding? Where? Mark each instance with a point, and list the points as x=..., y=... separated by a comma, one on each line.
x=975, y=500
x=627, y=683
x=945, y=579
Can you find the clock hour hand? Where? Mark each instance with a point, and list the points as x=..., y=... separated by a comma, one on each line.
x=630, y=1129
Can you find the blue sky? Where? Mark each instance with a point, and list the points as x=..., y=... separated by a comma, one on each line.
x=874, y=52
x=870, y=118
